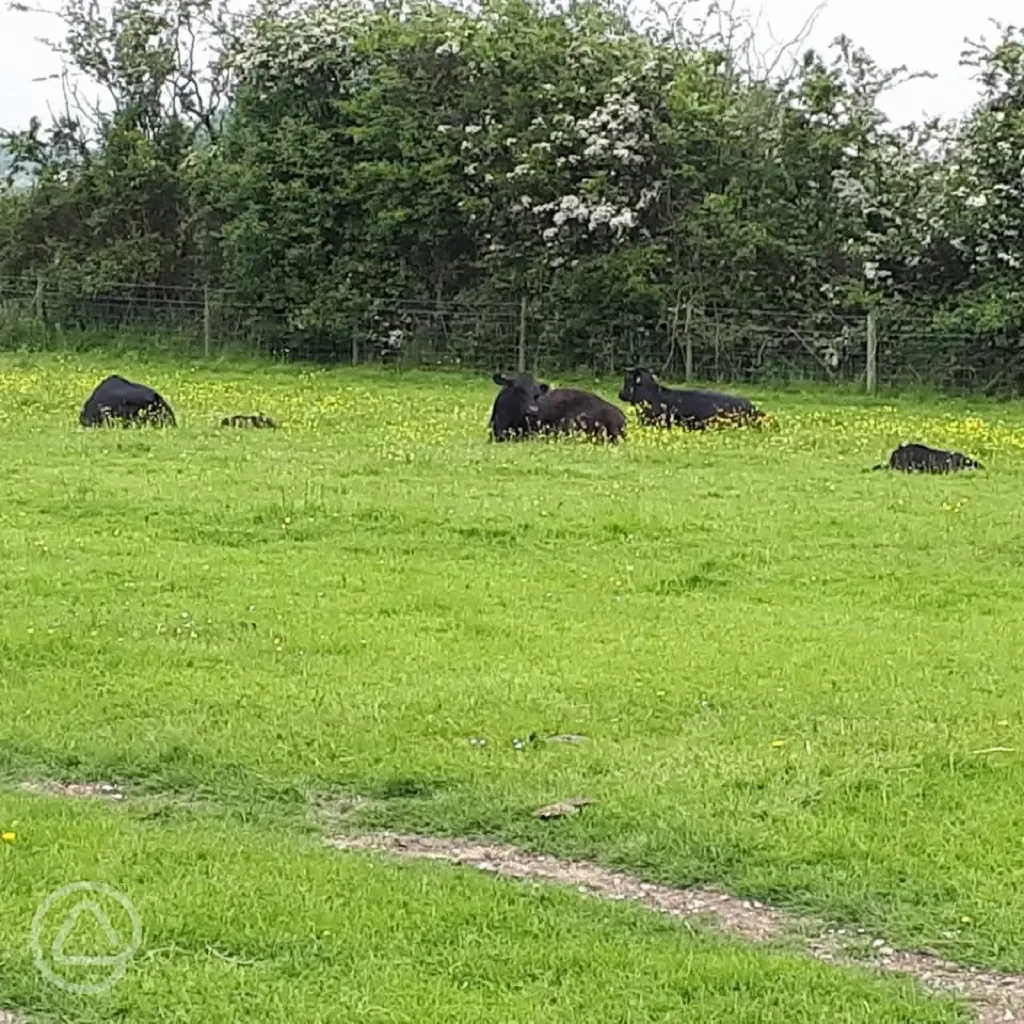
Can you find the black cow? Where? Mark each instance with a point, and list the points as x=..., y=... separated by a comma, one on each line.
x=515, y=410
x=525, y=407
x=248, y=421
x=692, y=410
x=919, y=458
x=564, y=410
x=118, y=400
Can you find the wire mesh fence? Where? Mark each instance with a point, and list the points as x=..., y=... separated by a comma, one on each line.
x=915, y=351
x=682, y=341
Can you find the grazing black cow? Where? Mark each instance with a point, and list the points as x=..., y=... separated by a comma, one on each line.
x=692, y=410
x=525, y=407
x=919, y=458
x=118, y=400
x=248, y=421
x=515, y=409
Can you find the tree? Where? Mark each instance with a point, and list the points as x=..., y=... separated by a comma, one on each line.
x=110, y=203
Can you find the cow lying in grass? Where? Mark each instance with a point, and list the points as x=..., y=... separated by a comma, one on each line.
x=526, y=407
x=117, y=400
x=692, y=410
x=515, y=406
x=919, y=458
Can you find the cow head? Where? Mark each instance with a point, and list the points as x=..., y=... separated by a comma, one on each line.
x=639, y=386
x=524, y=388
x=515, y=409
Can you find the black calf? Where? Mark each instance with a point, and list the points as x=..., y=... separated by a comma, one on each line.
x=248, y=421
x=919, y=458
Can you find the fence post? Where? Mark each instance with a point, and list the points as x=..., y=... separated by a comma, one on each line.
x=718, y=348
x=521, y=360
x=355, y=348
x=37, y=302
x=688, y=342
x=872, y=353
x=206, y=321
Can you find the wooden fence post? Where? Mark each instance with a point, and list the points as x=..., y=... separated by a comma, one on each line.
x=872, y=353
x=688, y=342
x=718, y=348
x=206, y=321
x=521, y=360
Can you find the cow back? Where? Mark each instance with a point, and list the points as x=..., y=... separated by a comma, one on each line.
x=701, y=407
x=573, y=408
x=121, y=399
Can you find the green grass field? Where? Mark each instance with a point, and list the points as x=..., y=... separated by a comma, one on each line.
x=791, y=674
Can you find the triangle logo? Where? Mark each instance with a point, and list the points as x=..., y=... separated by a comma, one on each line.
x=104, y=925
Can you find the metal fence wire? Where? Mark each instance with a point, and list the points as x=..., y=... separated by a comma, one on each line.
x=682, y=342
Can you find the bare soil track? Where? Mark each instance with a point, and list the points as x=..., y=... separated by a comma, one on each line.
x=994, y=998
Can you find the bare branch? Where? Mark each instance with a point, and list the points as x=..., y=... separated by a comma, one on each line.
x=723, y=27
x=152, y=60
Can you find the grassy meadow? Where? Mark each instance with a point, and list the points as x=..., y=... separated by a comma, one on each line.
x=796, y=678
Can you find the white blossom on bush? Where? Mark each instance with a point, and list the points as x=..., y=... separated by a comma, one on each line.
x=594, y=169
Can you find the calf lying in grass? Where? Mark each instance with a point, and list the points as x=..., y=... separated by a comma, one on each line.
x=248, y=421
x=919, y=458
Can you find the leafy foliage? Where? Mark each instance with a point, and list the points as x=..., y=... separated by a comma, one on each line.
x=320, y=158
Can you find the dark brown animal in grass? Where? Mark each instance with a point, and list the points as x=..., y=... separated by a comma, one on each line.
x=919, y=458
x=248, y=421
x=571, y=410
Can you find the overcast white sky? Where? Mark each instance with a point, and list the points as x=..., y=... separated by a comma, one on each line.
x=926, y=35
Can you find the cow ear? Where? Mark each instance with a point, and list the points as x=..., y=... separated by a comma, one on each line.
x=544, y=388
x=501, y=380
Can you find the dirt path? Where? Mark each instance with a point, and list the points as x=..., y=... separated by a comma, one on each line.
x=994, y=998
